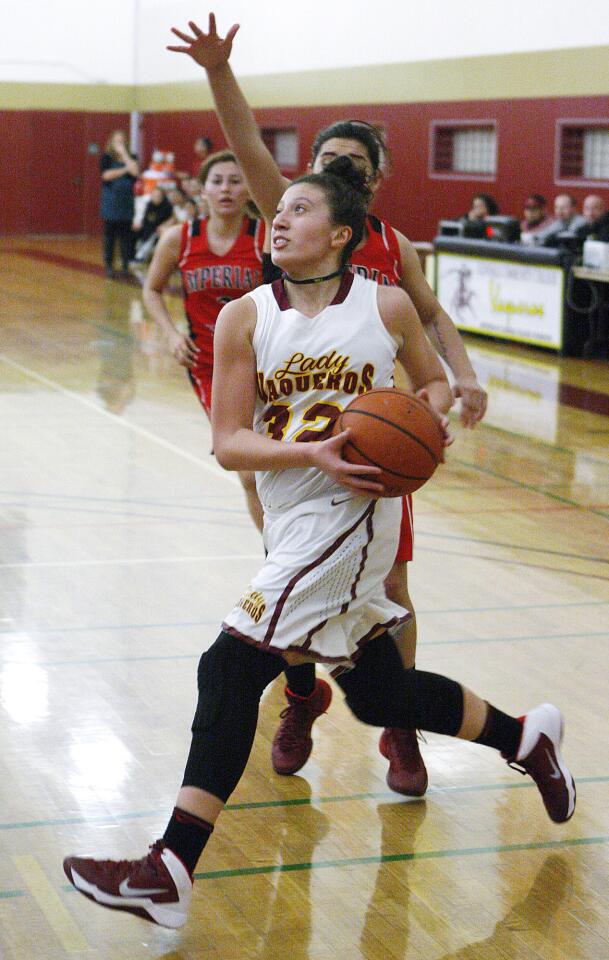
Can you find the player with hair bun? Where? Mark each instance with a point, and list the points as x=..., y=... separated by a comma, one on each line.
x=330, y=539
x=384, y=255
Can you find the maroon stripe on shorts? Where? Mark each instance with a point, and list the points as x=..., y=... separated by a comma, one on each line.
x=366, y=516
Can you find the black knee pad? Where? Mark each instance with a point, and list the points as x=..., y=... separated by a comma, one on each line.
x=375, y=686
x=381, y=693
x=232, y=676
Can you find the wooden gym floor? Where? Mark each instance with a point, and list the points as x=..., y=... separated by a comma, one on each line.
x=122, y=546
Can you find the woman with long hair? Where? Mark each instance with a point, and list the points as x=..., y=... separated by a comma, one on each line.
x=220, y=258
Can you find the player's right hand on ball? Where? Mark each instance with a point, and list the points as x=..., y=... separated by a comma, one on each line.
x=359, y=478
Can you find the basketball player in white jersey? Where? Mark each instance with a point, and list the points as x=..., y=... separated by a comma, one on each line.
x=287, y=357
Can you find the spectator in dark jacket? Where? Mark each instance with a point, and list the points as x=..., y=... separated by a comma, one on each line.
x=119, y=170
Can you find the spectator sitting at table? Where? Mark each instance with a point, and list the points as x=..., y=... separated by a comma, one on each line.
x=566, y=220
x=483, y=206
x=596, y=216
x=535, y=219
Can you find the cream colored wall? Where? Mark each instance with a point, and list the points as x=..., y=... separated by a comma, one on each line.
x=575, y=72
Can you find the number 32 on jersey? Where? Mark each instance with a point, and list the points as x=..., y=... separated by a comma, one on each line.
x=320, y=419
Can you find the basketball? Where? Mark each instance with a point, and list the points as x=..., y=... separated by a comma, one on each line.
x=396, y=431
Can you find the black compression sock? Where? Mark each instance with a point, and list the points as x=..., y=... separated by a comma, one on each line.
x=501, y=732
x=186, y=836
x=301, y=679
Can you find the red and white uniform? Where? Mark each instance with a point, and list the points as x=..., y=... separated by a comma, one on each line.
x=209, y=281
x=379, y=259
x=321, y=589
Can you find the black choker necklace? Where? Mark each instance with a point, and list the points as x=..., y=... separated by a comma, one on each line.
x=329, y=276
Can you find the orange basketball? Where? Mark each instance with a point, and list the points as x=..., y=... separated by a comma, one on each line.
x=396, y=431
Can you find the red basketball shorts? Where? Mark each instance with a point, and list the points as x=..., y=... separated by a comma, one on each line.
x=406, y=541
x=200, y=377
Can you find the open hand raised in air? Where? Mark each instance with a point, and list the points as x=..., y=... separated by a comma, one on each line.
x=207, y=49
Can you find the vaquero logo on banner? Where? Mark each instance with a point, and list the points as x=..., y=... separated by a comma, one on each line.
x=519, y=301
x=500, y=305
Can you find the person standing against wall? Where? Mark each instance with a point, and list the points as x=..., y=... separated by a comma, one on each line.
x=119, y=170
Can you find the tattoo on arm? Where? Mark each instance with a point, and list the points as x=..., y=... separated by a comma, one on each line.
x=441, y=345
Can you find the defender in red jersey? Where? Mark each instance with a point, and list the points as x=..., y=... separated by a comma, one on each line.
x=220, y=259
x=383, y=254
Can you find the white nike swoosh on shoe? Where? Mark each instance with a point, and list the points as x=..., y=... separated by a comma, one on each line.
x=556, y=774
x=126, y=891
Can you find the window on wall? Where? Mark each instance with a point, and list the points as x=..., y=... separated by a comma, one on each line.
x=583, y=152
x=283, y=145
x=463, y=150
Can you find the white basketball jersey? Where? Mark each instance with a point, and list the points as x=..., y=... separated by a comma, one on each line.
x=309, y=370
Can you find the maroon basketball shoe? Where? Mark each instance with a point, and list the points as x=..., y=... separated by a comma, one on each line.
x=539, y=755
x=292, y=743
x=407, y=773
x=158, y=887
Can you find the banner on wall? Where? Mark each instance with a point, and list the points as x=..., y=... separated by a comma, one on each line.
x=502, y=298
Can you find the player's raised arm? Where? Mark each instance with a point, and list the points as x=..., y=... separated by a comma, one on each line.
x=265, y=181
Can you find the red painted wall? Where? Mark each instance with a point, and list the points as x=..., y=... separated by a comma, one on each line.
x=54, y=183
x=410, y=198
x=51, y=183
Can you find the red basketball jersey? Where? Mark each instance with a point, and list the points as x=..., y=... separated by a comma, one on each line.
x=209, y=281
x=379, y=259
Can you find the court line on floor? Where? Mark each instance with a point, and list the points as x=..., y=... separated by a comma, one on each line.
x=47, y=898
x=211, y=467
x=176, y=657
x=188, y=624
x=377, y=859
x=529, y=486
x=510, y=546
x=135, y=561
x=517, y=563
x=401, y=857
x=289, y=802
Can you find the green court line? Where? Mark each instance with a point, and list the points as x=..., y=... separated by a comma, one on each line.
x=401, y=857
x=532, y=487
x=289, y=802
x=9, y=894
